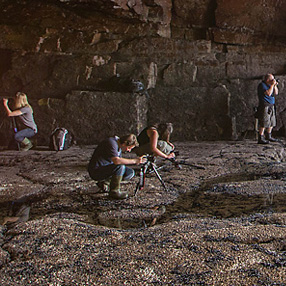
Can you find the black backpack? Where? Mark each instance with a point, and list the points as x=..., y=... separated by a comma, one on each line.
x=60, y=139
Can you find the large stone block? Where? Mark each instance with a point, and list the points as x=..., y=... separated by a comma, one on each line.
x=92, y=116
x=163, y=50
x=198, y=113
x=234, y=36
x=254, y=65
x=199, y=13
x=260, y=16
x=183, y=74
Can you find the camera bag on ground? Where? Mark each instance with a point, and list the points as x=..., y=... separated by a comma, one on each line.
x=60, y=139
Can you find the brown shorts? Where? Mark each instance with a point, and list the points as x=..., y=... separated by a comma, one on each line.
x=267, y=117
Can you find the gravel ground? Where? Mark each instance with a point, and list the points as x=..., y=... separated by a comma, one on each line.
x=221, y=222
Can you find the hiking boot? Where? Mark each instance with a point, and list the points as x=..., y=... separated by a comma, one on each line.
x=270, y=138
x=27, y=144
x=262, y=140
x=118, y=195
x=115, y=192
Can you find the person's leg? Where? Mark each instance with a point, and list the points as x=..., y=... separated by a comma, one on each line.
x=22, y=134
x=22, y=137
x=128, y=174
x=114, y=173
x=261, y=137
x=105, y=172
x=120, y=172
x=263, y=122
x=164, y=147
x=261, y=130
x=268, y=134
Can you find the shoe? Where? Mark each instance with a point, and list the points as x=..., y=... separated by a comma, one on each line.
x=115, y=192
x=118, y=195
x=262, y=140
x=27, y=144
x=270, y=138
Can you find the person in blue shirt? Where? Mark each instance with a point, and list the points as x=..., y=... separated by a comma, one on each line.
x=107, y=164
x=267, y=90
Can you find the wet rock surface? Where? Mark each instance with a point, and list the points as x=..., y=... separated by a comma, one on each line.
x=221, y=221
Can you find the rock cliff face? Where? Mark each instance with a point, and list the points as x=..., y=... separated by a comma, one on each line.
x=200, y=62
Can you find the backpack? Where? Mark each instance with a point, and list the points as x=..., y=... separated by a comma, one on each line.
x=60, y=139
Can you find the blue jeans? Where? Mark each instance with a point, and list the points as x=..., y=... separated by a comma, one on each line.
x=105, y=172
x=20, y=135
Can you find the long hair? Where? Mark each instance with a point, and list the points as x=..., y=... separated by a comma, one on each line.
x=21, y=100
x=165, y=130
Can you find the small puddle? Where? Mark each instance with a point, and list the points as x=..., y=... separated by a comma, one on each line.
x=224, y=197
x=224, y=205
x=221, y=197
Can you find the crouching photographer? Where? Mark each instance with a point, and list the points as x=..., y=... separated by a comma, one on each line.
x=155, y=140
x=24, y=112
x=107, y=166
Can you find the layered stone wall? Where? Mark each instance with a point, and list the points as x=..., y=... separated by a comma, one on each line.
x=200, y=62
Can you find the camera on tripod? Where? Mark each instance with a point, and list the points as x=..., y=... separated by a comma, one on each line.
x=148, y=167
x=149, y=158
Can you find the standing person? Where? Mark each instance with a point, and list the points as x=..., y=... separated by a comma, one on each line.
x=155, y=140
x=22, y=110
x=267, y=90
x=107, y=163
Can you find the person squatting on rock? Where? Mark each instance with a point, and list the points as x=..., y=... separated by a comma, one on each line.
x=267, y=90
x=155, y=140
x=107, y=164
x=22, y=110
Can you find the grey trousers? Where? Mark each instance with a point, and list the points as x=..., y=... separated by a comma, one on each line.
x=163, y=146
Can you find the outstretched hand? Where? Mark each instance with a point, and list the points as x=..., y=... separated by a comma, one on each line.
x=171, y=155
x=142, y=159
x=5, y=101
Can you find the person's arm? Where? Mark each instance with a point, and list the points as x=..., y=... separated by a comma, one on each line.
x=125, y=161
x=171, y=144
x=273, y=89
x=9, y=111
x=168, y=141
x=154, y=136
x=276, y=91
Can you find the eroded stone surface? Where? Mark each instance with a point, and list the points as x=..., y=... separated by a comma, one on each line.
x=186, y=53
x=222, y=220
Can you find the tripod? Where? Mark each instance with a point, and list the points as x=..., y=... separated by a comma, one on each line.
x=148, y=167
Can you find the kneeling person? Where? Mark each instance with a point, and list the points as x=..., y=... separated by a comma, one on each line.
x=107, y=163
x=155, y=140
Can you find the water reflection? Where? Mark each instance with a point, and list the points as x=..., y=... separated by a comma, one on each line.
x=223, y=197
x=225, y=205
x=18, y=211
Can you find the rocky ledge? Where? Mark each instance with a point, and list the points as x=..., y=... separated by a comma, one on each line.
x=221, y=220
